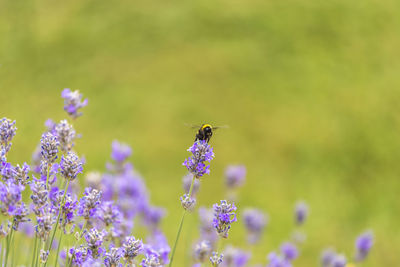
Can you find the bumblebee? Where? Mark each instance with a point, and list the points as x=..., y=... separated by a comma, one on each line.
x=205, y=132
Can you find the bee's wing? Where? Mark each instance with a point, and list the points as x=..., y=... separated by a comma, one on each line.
x=193, y=126
x=221, y=127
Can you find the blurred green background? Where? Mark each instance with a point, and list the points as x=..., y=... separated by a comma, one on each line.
x=310, y=90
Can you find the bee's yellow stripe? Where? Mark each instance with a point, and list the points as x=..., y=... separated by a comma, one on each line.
x=206, y=125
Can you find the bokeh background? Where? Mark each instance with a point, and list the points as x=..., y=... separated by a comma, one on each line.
x=310, y=90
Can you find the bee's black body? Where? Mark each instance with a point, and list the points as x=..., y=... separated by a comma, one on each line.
x=204, y=133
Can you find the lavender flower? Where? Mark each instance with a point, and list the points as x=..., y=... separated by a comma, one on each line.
x=339, y=261
x=152, y=216
x=157, y=243
x=94, y=240
x=67, y=210
x=44, y=254
x=131, y=248
x=8, y=172
x=254, y=221
x=235, y=176
x=112, y=258
x=187, y=202
x=363, y=245
x=45, y=221
x=327, y=257
x=207, y=231
x=71, y=166
x=289, y=251
x=7, y=132
x=10, y=197
x=109, y=213
x=79, y=255
x=20, y=215
x=234, y=257
x=39, y=195
x=277, y=261
x=66, y=135
x=73, y=102
x=202, y=152
x=49, y=147
x=120, y=152
x=301, y=212
x=224, y=216
x=89, y=203
x=187, y=181
x=94, y=179
x=151, y=260
x=21, y=174
x=215, y=259
x=202, y=251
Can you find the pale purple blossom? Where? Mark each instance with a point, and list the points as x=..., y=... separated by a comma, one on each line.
x=255, y=221
x=224, y=216
x=235, y=176
x=73, y=102
x=300, y=212
x=363, y=245
x=202, y=152
x=7, y=132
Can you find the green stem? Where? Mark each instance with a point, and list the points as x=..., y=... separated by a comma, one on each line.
x=58, y=248
x=58, y=217
x=34, y=250
x=9, y=243
x=180, y=225
x=1, y=252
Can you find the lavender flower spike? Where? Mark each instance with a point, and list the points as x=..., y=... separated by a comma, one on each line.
x=187, y=202
x=224, y=216
x=235, y=176
x=339, y=261
x=71, y=166
x=7, y=132
x=202, y=251
x=131, y=248
x=327, y=257
x=73, y=102
x=301, y=212
x=289, y=251
x=89, y=203
x=215, y=259
x=49, y=147
x=202, y=152
x=66, y=135
x=120, y=152
x=363, y=245
x=254, y=221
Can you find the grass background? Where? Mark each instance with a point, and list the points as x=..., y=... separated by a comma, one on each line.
x=310, y=90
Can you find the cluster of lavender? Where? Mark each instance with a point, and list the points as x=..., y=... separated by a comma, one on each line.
x=100, y=221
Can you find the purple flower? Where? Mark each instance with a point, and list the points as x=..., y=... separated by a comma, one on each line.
x=224, y=216
x=339, y=261
x=49, y=147
x=301, y=212
x=234, y=257
x=327, y=257
x=187, y=181
x=363, y=245
x=187, y=202
x=235, y=176
x=151, y=260
x=152, y=216
x=7, y=171
x=254, y=221
x=71, y=166
x=45, y=221
x=66, y=135
x=79, y=255
x=10, y=197
x=113, y=257
x=109, y=213
x=94, y=240
x=289, y=251
x=21, y=173
x=39, y=195
x=89, y=203
x=277, y=261
x=202, y=152
x=68, y=209
x=215, y=259
x=157, y=243
x=131, y=248
x=207, y=231
x=73, y=102
x=202, y=251
x=120, y=152
x=20, y=215
x=7, y=132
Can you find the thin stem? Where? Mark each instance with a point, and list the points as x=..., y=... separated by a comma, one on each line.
x=58, y=248
x=180, y=225
x=1, y=252
x=34, y=250
x=9, y=241
x=58, y=217
x=38, y=252
x=47, y=176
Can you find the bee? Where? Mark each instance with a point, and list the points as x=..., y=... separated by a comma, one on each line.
x=205, y=132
